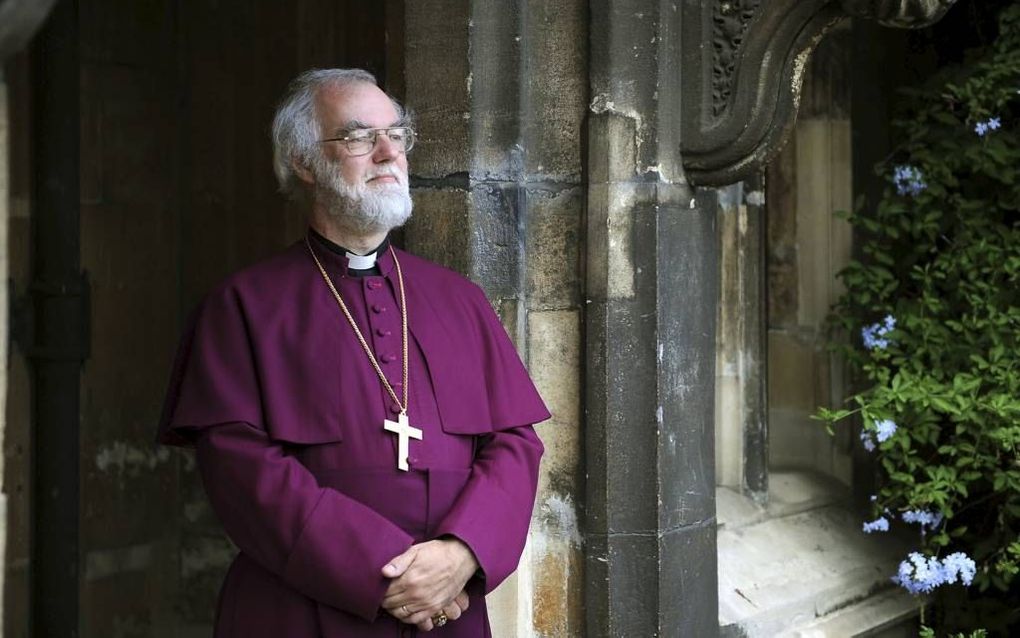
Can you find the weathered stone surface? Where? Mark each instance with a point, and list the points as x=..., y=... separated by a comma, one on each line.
x=613, y=140
x=437, y=38
x=688, y=581
x=651, y=282
x=552, y=248
x=554, y=348
x=803, y=560
x=741, y=423
x=554, y=87
x=494, y=225
x=440, y=227
x=743, y=67
x=494, y=84
x=687, y=266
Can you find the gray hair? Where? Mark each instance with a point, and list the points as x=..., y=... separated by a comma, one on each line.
x=296, y=129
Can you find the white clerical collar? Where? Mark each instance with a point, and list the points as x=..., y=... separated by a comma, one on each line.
x=360, y=262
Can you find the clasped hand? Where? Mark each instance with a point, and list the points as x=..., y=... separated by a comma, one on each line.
x=429, y=578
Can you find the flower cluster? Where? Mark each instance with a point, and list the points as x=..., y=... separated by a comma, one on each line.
x=908, y=180
x=884, y=430
x=922, y=518
x=991, y=124
x=880, y=524
x=919, y=574
x=874, y=335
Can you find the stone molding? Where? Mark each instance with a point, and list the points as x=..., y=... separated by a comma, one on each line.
x=19, y=20
x=740, y=95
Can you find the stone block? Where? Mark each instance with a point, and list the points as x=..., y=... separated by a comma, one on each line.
x=687, y=267
x=439, y=229
x=612, y=147
x=554, y=357
x=552, y=248
x=438, y=84
x=494, y=238
x=556, y=38
x=790, y=360
x=632, y=587
x=613, y=209
x=494, y=32
x=556, y=569
x=688, y=578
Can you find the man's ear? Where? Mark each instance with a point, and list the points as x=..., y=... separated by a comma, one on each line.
x=302, y=171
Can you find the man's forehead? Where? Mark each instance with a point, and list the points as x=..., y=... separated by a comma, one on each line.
x=355, y=106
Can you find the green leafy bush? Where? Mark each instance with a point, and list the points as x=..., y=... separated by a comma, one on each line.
x=935, y=298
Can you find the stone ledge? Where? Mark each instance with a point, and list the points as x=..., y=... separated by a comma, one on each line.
x=803, y=564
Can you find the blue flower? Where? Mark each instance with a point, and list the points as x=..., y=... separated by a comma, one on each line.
x=991, y=124
x=958, y=565
x=885, y=429
x=918, y=574
x=873, y=336
x=908, y=180
x=867, y=440
x=878, y=525
x=923, y=518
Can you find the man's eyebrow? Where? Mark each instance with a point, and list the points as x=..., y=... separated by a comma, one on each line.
x=356, y=125
x=351, y=125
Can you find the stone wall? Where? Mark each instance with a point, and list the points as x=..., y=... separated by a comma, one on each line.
x=500, y=91
x=807, y=245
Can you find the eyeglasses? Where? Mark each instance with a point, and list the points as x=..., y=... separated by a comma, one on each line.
x=362, y=141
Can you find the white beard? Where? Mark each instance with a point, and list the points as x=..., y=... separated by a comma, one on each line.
x=362, y=208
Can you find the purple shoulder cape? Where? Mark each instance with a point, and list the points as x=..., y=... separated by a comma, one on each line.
x=267, y=347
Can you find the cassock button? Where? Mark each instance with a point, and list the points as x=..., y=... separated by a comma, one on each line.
x=394, y=408
x=378, y=308
x=382, y=332
x=374, y=284
x=389, y=358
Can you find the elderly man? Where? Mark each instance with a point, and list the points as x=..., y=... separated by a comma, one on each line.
x=362, y=423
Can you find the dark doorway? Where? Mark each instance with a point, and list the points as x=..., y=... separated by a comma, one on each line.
x=176, y=190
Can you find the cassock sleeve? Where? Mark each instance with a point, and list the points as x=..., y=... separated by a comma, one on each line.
x=492, y=512
x=322, y=543
x=325, y=545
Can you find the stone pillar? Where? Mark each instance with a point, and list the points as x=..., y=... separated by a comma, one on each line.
x=499, y=89
x=652, y=280
x=741, y=421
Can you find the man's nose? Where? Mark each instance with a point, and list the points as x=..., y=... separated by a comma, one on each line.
x=386, y=150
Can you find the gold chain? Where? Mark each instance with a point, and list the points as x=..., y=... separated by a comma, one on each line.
x=403, y=405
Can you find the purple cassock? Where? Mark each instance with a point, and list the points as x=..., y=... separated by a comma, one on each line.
x=286, y=414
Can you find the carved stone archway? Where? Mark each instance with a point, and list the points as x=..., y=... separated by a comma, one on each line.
x=740, y=94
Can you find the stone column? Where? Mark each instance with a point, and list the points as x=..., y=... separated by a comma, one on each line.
x=499, y=89
x=652, y=280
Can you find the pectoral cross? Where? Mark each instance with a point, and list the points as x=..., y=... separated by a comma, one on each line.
x=404, y=431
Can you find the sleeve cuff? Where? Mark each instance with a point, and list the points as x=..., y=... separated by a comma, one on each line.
x=339, y=565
